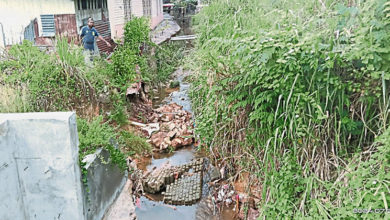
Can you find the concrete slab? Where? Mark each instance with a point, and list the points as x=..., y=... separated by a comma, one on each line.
x=123, y=208
x=165, y=30
x=39, y=170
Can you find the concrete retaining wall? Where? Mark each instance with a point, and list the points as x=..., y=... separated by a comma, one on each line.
x=40, y=176
x=105, y=182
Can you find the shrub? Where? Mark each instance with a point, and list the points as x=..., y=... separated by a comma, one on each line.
x=295, y=87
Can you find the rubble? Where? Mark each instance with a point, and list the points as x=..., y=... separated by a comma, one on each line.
x=175, y=179
x=175, y=127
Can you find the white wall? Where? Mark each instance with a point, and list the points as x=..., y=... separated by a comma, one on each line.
x=137, y=8
x=117, y=17
x=39, y=170
x=15, y=15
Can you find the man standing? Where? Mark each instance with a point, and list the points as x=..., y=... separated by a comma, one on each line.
x=88, y=35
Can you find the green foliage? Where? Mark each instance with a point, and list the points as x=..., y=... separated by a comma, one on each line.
x=167, y=57
x=136, y=33
x=96, y=134
x=13, y=99
x=134, y=144
x=119, y=109
x=48, y=84
x=363, y=185
x=296, y=87
x=124, y=62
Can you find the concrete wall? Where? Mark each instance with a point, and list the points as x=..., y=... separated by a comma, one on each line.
x=137, y=9
x=15, y=15
x=39, y=170
x=117, y=17
x=40, y=175
x=105, y=182
x=157, y=13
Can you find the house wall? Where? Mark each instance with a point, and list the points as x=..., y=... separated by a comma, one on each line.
x=154, y=12
x=120, y=13
x=137, y=8
x=16, y=15
x=157, y=13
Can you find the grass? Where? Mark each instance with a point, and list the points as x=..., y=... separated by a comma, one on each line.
x=13, y=99
x=293, y=91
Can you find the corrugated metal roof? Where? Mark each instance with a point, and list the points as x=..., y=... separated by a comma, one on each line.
x=103, y=27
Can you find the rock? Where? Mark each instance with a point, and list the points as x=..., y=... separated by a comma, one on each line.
x=167, y=140
x=177, y=142
x=104, y=98
x=187, y=141
x=214, y=173
x=167, y=117
x=134, y=89
x=157, y=138
x=171, y=134
x=171, y=126
x=163, y=146
x=146, y=88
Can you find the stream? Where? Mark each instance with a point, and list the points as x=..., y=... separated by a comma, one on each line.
x=151, y=206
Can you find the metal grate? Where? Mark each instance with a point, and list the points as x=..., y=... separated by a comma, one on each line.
x=48, y=26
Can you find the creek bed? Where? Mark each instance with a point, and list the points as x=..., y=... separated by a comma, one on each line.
x=151, y=206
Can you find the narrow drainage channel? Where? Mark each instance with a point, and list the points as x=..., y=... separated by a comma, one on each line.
x=151, y=206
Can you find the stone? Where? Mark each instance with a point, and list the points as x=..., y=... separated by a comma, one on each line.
x=104, y=98
x=177, y=142
x=187, y=141
x=214, y=173
x=171, y=134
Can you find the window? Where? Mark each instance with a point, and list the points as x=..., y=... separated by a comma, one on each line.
x=99, y=4
x=48, y=26
x=84, y=4
x=147, y=9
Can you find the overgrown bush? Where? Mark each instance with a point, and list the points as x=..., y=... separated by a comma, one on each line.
x=297, y=88
x=168, y=57
x=32, y=80
x=137, y=33
x=51, y=81
x=96, y=134
x=13, y=99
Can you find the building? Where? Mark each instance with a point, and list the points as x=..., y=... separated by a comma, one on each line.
x=41, y=20
x=35, y=20
x=123, y=10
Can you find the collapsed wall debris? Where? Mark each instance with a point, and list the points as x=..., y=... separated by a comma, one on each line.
x=182, y=184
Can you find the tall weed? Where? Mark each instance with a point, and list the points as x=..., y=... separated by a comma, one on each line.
x=297, y=87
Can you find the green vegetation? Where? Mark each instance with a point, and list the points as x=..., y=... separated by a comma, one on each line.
x=96, y=134
x=168, y=58
x=296, y=92
x=32, y=80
